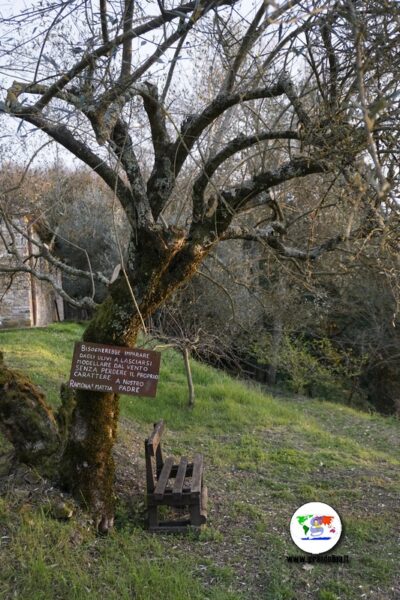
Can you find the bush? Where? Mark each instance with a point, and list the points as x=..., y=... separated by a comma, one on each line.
x=314, y=367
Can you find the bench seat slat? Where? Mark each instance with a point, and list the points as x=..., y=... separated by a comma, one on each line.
x=197, y=475
x=180, y=478
x=163, y=478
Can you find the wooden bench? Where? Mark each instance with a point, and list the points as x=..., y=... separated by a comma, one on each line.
x=177, y=485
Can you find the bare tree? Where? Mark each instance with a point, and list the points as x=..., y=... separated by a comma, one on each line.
x=174, y=326
x=115, y=87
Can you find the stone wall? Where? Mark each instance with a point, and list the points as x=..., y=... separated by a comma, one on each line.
x=15, y=292
x=49, y=305
x=15, y=304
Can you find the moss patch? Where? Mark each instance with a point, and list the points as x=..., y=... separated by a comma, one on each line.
x=25, y=418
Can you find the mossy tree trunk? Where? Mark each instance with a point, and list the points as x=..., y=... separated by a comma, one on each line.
x=25, y=418
x=88, y=465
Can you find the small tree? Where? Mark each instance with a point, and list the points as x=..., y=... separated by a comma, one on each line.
x=173, y=327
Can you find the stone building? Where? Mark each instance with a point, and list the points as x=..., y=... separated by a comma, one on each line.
x=25, y=301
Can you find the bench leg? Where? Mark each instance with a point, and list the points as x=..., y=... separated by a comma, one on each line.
x=196, y=517
x=153, y=517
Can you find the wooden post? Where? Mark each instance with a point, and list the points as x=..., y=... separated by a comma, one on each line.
x=186, y=358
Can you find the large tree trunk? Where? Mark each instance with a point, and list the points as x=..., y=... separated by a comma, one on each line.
x=87, y=465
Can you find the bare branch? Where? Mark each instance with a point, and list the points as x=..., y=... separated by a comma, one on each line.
x=270, y=236
x=26, y=169
x=156, y=116
x=127, y=44
x=369, y=120
x=297, y=167
x=194, y=125
x=123, y=148
x=121, y=91
x=21, y=265
x=71, y=96
x=222, y=288
x=248, y=40
x=236, y=145
x=85, y=302
x=104, y=50
x=43, y=252
x=291, y=36
x=326, y=34
x=60, y=133
x=291, y=93
x=174, y=61
x=103, y=19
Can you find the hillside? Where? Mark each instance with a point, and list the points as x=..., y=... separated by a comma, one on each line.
x=264, y=458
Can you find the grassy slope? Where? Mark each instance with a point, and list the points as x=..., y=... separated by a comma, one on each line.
x=264, y=457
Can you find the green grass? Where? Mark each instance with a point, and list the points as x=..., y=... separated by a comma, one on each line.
x=264, y=456
x=44, y=353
